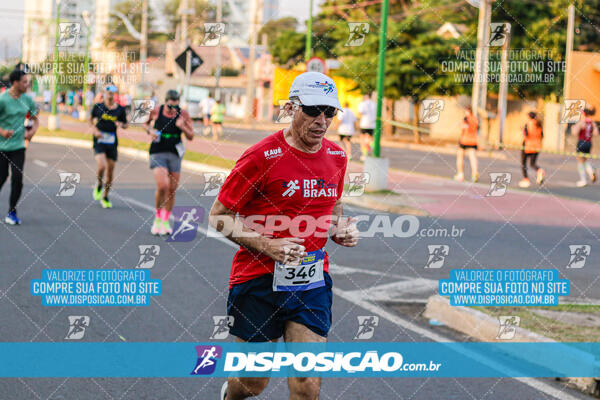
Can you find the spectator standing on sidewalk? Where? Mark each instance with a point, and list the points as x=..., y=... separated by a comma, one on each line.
x=368, y=114
x=206, y=106
x=467, y=143
x=217, y=114
x=346, y=128
x=532, y=144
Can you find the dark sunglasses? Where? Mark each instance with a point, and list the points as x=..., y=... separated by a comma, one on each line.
x=173, y=106
x=315, y=111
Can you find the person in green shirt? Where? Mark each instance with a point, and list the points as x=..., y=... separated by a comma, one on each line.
x=217, y=113
x=14, y=106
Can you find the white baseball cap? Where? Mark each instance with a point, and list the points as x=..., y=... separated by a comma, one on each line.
x=315, y=89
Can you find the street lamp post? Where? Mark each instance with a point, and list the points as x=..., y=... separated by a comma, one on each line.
x=86, y=19
x=308, y=44
x=53, y=120
x=376, y=166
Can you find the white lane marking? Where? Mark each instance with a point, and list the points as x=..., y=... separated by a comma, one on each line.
x=344, y=270
x=145, y=206
x=347, y=295
x=393, y=318
x=396, y=291
x=40, y=163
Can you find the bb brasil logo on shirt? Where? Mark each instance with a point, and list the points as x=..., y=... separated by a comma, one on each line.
x=309, y=188
x=326, y=86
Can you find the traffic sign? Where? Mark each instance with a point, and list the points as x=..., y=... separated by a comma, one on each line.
x=316, y=64
x=195, y=60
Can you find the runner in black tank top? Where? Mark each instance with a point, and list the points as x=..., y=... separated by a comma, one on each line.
x=165, y=125
x=170, y=134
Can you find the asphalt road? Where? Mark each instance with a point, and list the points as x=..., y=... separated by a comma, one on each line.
x=560, y=179
x=65, y=232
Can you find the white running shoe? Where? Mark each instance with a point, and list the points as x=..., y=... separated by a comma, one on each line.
x=581, y=183
x=459, y=177
x=223, y=391
x=157, y=227
x=524, y=183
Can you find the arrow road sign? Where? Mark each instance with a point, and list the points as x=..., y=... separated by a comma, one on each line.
x=196, y=61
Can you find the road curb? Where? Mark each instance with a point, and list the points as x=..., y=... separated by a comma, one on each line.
x=363, y=201
x=485, y=329
x=129, y=151
x=366, y=202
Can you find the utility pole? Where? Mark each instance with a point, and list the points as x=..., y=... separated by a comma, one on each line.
x=144, y=40
x=183, y=11
x=218, y=70
x=86, y=19
x=380, y=76
x=479, y=95
x=568, y=68
x=375, y=166
x=308, y=46
x=250, y=84
x=53, y=120
x=503, y=88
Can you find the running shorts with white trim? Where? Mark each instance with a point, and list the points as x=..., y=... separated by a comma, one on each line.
x=260, y=313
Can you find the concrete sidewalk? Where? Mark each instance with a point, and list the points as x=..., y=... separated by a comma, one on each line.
x=438, y=197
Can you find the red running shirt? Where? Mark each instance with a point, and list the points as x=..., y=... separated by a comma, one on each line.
x=273, y=178
x=586, y=133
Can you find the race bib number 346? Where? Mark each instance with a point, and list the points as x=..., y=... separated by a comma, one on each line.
x=307, y=275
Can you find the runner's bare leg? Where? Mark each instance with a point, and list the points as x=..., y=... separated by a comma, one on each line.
x=101, y=167
x=110, y=167
x=242, y=388
x=173, y=183
x=302, y=388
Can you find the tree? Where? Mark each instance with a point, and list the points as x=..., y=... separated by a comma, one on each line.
x=273, y=28
x=118, y=35
x=203, y=12
x=288, y=47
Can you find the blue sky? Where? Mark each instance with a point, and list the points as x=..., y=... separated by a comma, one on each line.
x=11, y=20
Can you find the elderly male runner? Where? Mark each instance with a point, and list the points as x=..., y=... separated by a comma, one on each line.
x=279, y=285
